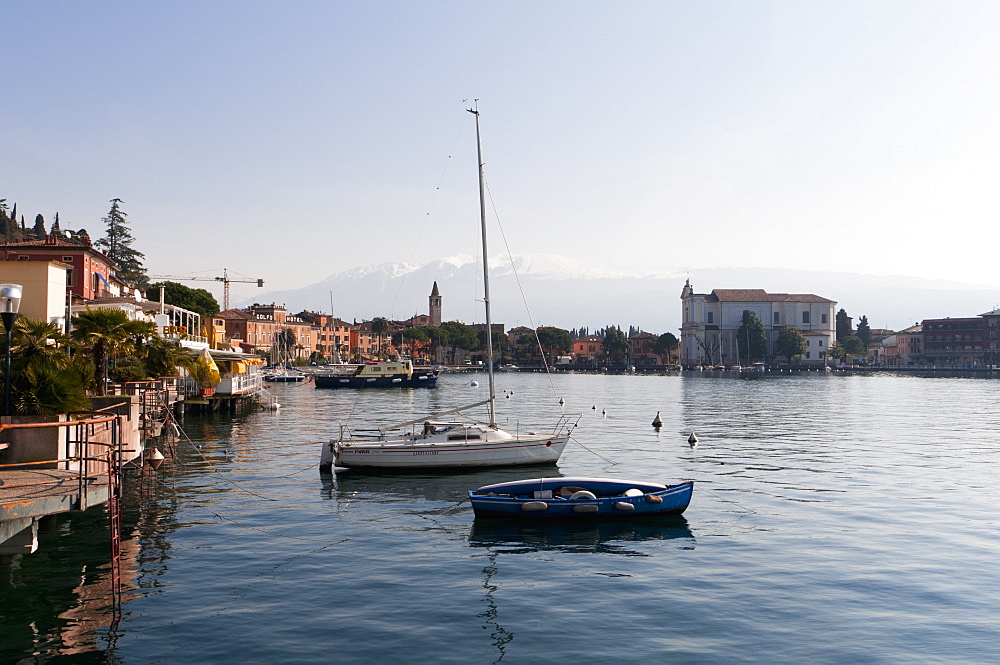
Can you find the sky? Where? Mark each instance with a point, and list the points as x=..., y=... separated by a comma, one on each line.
x=292, y=140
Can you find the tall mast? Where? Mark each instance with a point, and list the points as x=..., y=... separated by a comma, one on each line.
x=486, y=272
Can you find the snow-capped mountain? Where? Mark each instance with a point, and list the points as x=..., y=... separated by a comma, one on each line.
x=547, y=289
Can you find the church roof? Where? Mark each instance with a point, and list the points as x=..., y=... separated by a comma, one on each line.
x=760, y=295
x=434, y=291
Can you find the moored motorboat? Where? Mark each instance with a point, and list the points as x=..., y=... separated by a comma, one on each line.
x=381, y=374
x=283, y=375
x=580, y=497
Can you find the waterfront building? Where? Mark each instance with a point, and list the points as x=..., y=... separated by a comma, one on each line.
x=44, y=283
x=90, y=275
x=586, y=348
x=992, y=326
x=332, y=336
x=966, y=343
x=514, y=334
x=709, y=323
x=901, y=348
x=257, y=327
x=641, y=349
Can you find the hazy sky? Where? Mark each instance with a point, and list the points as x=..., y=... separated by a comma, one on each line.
x=291, y=140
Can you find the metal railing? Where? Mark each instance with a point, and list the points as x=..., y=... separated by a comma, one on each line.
x=79, y=454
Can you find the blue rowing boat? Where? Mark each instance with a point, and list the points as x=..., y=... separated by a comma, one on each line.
x=546, y=498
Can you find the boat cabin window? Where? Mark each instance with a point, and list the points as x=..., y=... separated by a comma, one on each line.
x=466, y=436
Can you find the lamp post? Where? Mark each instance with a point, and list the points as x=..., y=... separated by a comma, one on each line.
x=10, y=301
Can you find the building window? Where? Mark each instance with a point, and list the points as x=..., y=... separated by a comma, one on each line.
x=70, y=278
x=777, y=319
x=805, y=316
x=822, y=318
x=708, y=317
x=808, y=354
x=67, y=259
x=819, y=343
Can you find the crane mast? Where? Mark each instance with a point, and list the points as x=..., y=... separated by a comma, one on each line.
x=225, y=279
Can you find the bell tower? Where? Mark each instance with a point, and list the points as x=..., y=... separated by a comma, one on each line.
x=434, y=306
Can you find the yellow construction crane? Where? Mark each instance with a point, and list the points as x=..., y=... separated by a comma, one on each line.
x=225, y=279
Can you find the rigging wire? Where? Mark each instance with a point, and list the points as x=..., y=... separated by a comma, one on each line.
x=531, y=320
x=427, y=214
x=524, y=299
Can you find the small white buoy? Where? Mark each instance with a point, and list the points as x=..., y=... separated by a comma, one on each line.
x=693, y=440
x=474, y=384
x=656, y=421
x=155, y=459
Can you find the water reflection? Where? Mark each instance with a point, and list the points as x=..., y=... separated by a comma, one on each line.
x=499, y=635
x=604, y=536
x=351, y=485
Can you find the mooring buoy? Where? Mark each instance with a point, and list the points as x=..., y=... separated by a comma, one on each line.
x=155, y=459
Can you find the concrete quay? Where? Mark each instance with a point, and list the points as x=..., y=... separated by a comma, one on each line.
x=58, y=464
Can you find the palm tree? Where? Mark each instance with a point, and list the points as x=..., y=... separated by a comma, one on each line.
x=44, y=379
x=107, y=333
x=380, y=325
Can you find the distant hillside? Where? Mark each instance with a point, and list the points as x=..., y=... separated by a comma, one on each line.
x=569, y=294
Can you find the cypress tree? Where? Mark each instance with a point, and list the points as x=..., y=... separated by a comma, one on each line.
x=117, y=245
x=39, y=229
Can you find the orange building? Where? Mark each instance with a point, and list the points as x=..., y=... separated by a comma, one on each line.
x=587, y=347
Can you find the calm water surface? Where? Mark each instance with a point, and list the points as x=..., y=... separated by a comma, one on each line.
x=835, y=520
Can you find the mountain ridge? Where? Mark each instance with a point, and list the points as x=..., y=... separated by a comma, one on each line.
x=563, y=292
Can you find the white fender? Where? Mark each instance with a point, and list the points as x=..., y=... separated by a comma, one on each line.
x=654, y=498
x=633, y=492
x=534, y=506
x=582, y=494
x=624, y=505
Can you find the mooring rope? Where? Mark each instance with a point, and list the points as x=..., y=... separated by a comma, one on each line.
x=254, y=528
x=216, y=470
x=721, y=498
x=593, y=452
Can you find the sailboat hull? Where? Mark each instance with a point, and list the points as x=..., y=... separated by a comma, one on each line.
x=393, y=455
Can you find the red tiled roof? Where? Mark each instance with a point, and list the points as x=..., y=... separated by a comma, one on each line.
x=760, y=295
x=42, y=244
x=233, y=314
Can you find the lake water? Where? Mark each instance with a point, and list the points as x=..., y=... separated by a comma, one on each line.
x=835, y=519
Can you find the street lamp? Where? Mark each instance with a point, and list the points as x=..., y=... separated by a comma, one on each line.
x=10, y=301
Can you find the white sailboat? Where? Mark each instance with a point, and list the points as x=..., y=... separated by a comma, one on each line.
x=436, y=443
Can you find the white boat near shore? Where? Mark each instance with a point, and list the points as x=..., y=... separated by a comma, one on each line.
x=432, y=443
